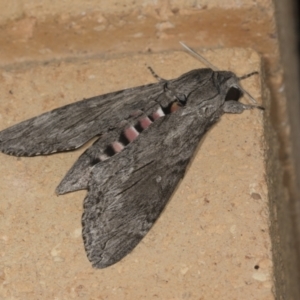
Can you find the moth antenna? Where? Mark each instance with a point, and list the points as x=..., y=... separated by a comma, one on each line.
x=208, y=64
x=248, y=75
x=247, y=94
x=158, y=78
x=200, y=57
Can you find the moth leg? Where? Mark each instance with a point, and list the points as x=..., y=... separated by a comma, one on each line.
x=235, y=107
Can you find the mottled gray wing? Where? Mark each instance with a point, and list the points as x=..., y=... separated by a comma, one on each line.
x=70, y=126
x=127, y=192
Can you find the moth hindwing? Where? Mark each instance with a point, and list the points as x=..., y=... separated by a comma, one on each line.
x=146, y=137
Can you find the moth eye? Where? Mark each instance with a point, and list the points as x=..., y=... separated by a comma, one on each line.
x=233, y=94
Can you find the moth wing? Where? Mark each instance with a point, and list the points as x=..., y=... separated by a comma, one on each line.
x=70, y=126
x=127, y=193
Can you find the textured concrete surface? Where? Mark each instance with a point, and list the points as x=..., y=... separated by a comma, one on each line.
x=211, y=242
x=163, y=8
x=63, y=36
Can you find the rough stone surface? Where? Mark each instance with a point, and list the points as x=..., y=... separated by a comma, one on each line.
x=212, y=240
x=99, y=33
x=160, y=8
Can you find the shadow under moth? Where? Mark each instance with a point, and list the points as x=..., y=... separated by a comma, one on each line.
x=146, y=138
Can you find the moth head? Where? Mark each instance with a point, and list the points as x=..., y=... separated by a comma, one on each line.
x=231, y=83
x=234, y=88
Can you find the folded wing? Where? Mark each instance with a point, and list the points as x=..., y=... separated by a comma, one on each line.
x=70, y=126
x=127, y=193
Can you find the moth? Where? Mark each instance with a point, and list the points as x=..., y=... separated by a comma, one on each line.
x=146, y=138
